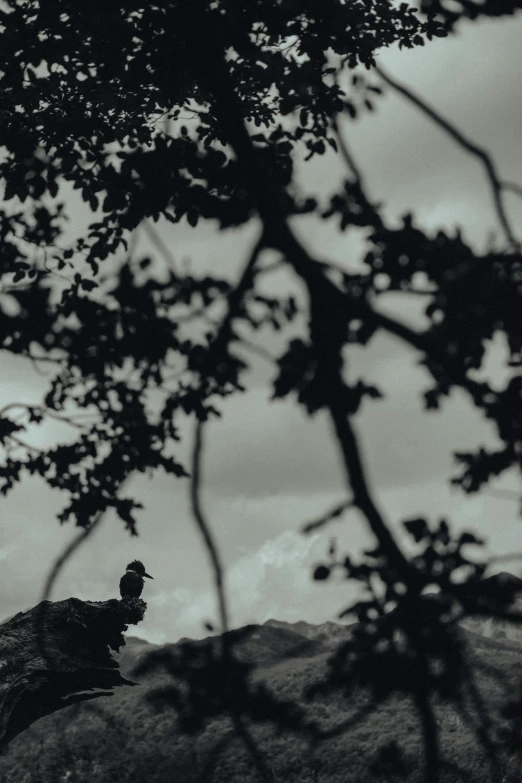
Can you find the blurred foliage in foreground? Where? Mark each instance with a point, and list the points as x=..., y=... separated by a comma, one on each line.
x=128, y=738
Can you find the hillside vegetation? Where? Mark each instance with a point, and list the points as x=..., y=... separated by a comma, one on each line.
x=128, y=738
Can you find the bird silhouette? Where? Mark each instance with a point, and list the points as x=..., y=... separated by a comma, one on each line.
x=132, y=581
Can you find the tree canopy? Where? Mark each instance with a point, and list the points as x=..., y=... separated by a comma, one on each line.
x=194, y=110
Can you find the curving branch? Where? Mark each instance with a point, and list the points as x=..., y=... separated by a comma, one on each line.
x=346, y=154
x=327, y=303
x=71, y=548
x=497, y=185
x=66, y=554
x=240, y=727
x=204, y=529
x=334, y=513
x=156, y=240
x=44, y=648
x=329, y=309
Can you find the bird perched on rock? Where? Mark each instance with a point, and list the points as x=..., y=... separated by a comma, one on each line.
x=131, y=583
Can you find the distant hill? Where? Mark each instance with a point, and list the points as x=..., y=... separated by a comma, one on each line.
x=328, y=633
x=131, y=655
x=495, y=627
x=125, y=738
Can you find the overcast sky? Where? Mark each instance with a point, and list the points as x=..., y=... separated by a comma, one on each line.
x=268, y=468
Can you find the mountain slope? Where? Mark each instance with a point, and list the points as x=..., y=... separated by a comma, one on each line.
x=125, y=738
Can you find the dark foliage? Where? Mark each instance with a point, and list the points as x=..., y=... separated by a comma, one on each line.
x=132, y=738
x=262, y=84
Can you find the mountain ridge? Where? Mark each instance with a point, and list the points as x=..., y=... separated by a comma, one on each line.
x=129, y=738
x=331, y=631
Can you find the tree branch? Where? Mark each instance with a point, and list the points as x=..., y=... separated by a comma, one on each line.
x=428, y=346
x=159, y=243
x=431, y=737
x=496, y=184
x=311, y=527
x=71, y=548
x=346, y=154
x=195, y=486
x=327, y=303
x=203, y=527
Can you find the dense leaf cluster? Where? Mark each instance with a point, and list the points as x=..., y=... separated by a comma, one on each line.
x=452, y=11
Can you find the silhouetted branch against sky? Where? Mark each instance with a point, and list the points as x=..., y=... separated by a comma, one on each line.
x=63, y=558
x=204, y=529
x=219, y=346
x=496, y=183
x=334, y=513
x=327, y=337
x=326, y=324
x=58, y=565
x=252, y=746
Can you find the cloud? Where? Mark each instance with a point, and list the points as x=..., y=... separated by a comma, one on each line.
x=7, y=551
x=272, y=582
x=268, y=561
x=273, y=577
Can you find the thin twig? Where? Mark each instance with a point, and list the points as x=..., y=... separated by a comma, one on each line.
x=221, y=340
x=203, y=527
x=71, y=548
x=65, y=419
x=430, y=347
x=218, y=573
x=48, y=359
x=56, y=569
x=497, y=185
x=66, y=554
x=235, y=297
x=160, y=244
x=347, y=155
x=512, y=187
x=335, y=512
x=27, y=446
x=258, y=349
x=42, y=411
x=11, y=405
